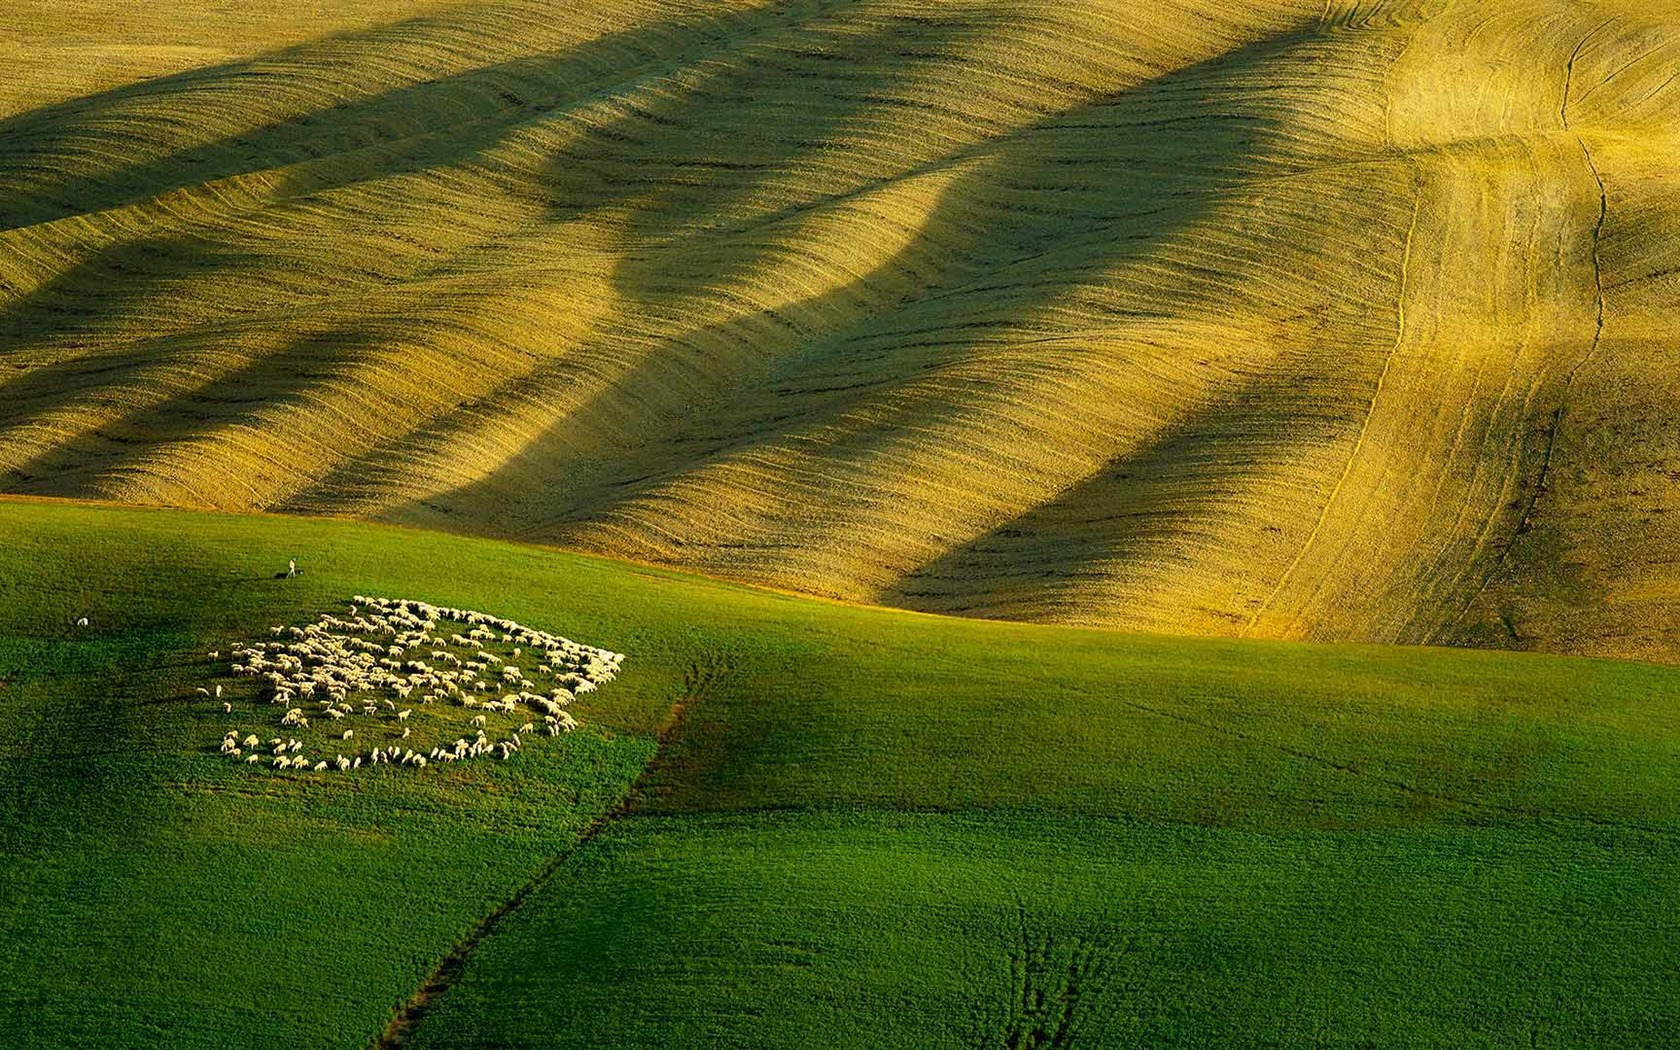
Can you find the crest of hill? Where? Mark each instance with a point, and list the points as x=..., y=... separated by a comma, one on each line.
x=1300, y=320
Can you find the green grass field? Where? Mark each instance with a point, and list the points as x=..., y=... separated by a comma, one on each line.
x=867, y=828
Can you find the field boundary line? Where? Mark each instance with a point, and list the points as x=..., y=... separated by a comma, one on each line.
x=698, y=681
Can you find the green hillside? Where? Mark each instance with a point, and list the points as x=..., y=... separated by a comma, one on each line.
x=864, y=827
x=1333, y=320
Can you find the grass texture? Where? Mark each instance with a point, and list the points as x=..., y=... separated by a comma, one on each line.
x=1305, y=320
x=865, y=827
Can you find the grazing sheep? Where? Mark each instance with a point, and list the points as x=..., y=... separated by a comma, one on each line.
x=320, y=767
x=201, y=691
x=227, y=708
x=327, y=657
x=348, y=733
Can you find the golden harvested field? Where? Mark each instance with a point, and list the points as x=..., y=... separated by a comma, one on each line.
x=1344, y=321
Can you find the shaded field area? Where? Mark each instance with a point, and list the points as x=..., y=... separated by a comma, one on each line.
x=1275, y=318
x=868, y=827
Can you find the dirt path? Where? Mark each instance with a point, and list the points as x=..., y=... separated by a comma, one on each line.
x=698, y=682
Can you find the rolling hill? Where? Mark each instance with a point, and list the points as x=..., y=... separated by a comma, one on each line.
x=795, y=823
x=1335, y=321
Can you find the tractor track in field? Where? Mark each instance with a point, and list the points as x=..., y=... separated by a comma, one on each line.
x=698, y=681
x=1057, y=986
x=1525, y=521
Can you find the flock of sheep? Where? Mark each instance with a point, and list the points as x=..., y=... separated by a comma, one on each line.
x=350, y=673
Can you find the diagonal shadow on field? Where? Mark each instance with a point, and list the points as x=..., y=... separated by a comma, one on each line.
x=384, y=134
x=251, y=394
x=704, y=224
x=323, y=98
x=1016, y=200
x=1140, y=507
x=433, y=124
